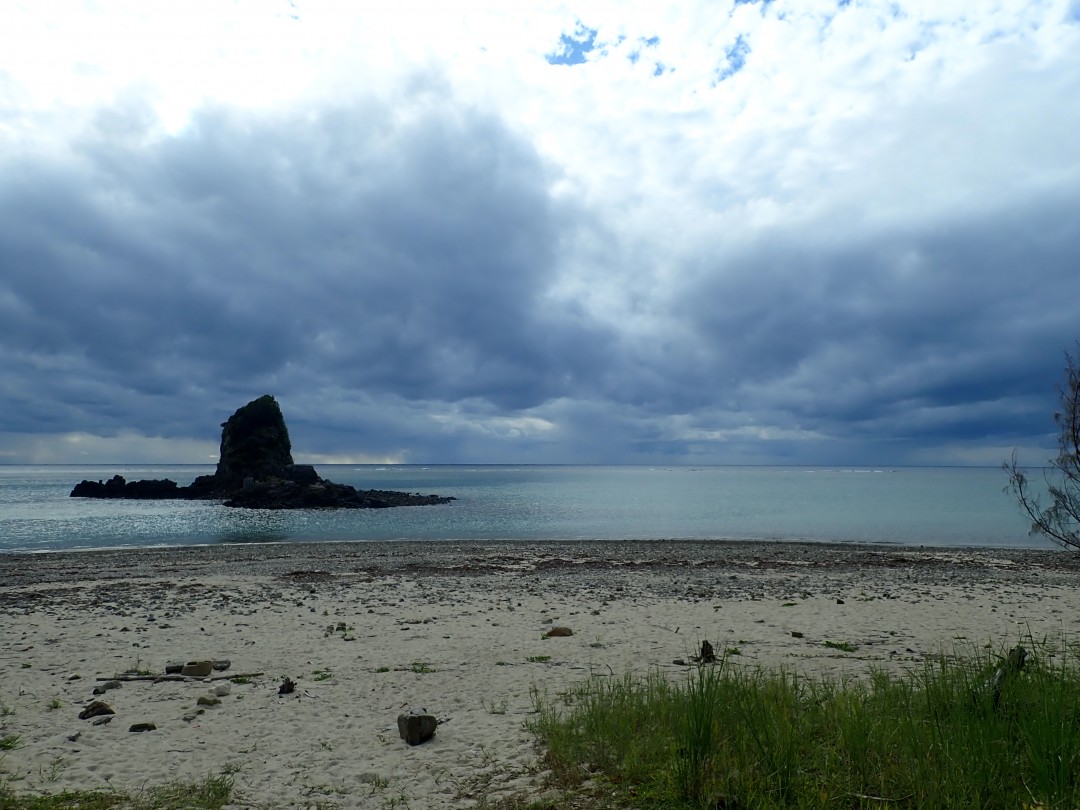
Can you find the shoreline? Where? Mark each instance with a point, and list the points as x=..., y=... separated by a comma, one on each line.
x=453, y=555
x=455, y=628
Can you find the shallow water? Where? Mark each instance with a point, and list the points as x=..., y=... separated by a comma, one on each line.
x=919, y=506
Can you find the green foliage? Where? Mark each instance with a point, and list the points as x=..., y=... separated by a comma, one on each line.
x=9, y=742
x=212, y=793
x=736, y=738
x=842, y=646
x=1060, y=520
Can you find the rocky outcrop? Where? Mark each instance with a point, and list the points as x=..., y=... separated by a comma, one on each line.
x=117, y=487
x=256, y=471
x=279, y=493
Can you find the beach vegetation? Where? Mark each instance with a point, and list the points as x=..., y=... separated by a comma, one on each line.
x=211, y=793
x=322, y=675
x=10, y=742
x=1060, y=519
x=948, y=734
x=54, y=770
x=421, y=667
x=538, y=659
x=842, y=646
x=55, y=703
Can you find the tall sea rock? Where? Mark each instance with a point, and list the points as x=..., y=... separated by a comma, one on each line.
x=256, y=471
x=254, y=444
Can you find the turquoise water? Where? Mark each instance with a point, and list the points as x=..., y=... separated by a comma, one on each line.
x=921, y=506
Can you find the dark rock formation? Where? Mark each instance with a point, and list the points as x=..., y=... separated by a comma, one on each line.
x=117, y=487
x=254, y=444
x=256, y=471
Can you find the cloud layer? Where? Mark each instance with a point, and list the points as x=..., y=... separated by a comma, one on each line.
x=776, y=233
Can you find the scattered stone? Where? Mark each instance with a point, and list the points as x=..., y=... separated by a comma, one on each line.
x=417, y=726
x=679, y=662
x=74, y=676
x=197, y=669
x=74, y=737
x=174, y=667
x=103, y=720
x=222, y=689
x=796, y=634
x=189, y=717
x=137, y=727
x=104, y=687
x=558, y=632
x=839, y=601
x=222, y=664
x=96, y=708
x=208, y=700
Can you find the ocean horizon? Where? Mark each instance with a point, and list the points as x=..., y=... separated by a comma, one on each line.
x=928, y=506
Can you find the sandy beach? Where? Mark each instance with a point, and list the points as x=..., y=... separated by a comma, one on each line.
x=368, y=631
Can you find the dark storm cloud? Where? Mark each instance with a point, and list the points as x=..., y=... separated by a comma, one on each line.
x=392, y=274
x=946, y=331
x=404, y=251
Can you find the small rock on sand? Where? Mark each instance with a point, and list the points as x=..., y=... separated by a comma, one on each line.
x=96, y=708
x=558, y=632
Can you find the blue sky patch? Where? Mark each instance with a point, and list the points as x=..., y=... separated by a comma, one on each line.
x=573, y=48
x=643, y=42
x=736, y=59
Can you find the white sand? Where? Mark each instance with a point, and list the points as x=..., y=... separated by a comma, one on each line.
x=468, y=617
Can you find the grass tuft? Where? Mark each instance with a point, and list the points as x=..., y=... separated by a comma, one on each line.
x=212, y=793
x=842, y=646
x=10, y=742
x=941, y=736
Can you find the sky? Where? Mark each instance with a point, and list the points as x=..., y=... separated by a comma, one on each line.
x=725, y=232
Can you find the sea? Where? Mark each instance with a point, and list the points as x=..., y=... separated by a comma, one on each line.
x=919, y=506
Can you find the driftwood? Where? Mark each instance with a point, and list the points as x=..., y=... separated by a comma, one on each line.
x=1012, y=664
x=157, y=678
x=707, y=655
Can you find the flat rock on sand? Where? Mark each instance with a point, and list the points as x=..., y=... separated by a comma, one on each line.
x=366, y=629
